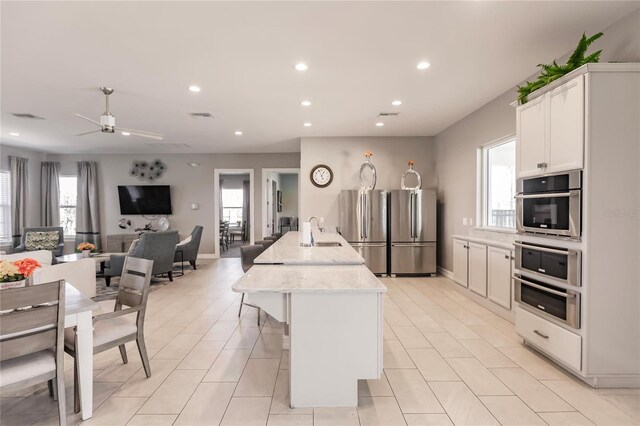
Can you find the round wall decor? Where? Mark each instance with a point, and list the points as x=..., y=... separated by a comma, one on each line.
x=321, y=176
x=148, y=172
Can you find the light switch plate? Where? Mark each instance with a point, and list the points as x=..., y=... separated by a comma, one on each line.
x=464, y=221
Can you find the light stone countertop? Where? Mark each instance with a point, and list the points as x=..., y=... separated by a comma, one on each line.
x=490, y=242
x=287, y=251
x=308, y=279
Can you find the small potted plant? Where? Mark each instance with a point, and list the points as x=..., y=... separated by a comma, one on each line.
x=86, y=248
x=17, y=273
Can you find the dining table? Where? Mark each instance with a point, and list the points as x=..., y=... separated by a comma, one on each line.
x=78, y=313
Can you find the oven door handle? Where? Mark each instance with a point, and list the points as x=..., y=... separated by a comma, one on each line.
x=539, y=287
x=546, y=250
x=547, y=195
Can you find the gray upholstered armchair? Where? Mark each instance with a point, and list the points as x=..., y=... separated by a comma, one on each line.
x=157, y=246
x=58, y=246
x=190, y=249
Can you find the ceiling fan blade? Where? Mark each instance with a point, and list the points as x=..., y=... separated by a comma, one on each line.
x=141, y=133
x=88, y=119
x=88, y=133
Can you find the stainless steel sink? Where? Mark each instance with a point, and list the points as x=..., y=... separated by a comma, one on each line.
x=328, y=244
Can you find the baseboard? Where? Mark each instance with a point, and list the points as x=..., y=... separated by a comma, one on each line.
x=208, y=256
x=445, y=272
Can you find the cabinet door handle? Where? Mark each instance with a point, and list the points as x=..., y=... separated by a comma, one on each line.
x=544, y=336
x=506, y=256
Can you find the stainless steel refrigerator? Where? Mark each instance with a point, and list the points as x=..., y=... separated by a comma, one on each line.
x=413, y=231
x=363, y=223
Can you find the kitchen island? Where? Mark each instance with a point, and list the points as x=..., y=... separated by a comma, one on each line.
x=333, y=307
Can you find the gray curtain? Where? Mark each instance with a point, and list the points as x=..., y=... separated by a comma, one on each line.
x=19, y=196
x=88, y=208
x=246, y=210
x=50, y=194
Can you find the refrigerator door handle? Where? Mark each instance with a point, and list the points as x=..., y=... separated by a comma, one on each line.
x=413, y=244
x=415, y=215
x=360, y=213
x=368, y=244
x=411, y=223
x=366, y=216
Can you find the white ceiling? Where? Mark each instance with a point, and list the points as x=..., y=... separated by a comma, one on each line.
x=361, y=56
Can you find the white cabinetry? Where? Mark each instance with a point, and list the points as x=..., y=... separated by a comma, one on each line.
x=460, y=262
x=499, y=276
x=478, y=268
x=550, y=131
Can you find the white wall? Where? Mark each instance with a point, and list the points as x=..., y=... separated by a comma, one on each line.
x=345, y=155
x=233, y=181
x=457, y=145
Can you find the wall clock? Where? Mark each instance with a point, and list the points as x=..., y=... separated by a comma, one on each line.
x=321, y=176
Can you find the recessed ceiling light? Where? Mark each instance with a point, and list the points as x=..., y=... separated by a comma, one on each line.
x=396, y=103
x=194, y=88
x=305, y=103
x=14, y=134
x=125, y=133
x=238, y=133
x=423, y=65
x=379, y=124
x=301, y=66
x=307, y=124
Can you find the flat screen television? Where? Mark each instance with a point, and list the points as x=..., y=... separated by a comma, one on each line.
x=144, y=199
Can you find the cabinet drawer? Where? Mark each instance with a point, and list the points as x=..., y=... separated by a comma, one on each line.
x=553, y=339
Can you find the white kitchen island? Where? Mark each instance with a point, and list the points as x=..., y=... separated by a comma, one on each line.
x=334, y=313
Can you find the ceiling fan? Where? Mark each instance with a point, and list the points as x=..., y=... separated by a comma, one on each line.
x=108, y=122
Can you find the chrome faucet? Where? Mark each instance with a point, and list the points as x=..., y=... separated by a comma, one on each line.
x=320, y=228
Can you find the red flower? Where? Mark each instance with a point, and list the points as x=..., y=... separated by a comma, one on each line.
x=27, y=266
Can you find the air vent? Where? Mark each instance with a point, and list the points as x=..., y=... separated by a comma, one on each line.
x=27, y=115
x=201, y=115
x=166, y=146
x=388, y=114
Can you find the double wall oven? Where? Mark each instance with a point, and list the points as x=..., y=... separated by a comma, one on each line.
x=548, y=275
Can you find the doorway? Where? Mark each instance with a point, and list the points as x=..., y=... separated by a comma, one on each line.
x=281, y=206
x=233, y=211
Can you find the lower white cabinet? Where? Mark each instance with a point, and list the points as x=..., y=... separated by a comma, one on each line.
x=460, y=262
x=499, y=276
x=478, y=268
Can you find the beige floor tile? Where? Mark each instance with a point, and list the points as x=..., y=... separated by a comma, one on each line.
x=427, y=420
x=495, y=337
x=247, y=411
x=395, y=356
x=566, y=419
x=426, y=324
x=510, y=410
x=627, y=402
x=38, y=403
x=335, y=417
x=152, y=419
x=462, y=406
x=466, y=317
x=375, y=387
x=243, y=338
x=531, y=391
x=207, y=404
x=179, y=347
x=202, y=356
x=387, y=333
x=487, y=354
x=18, y=419
x=280, y=399
x=432, y=366
x=411, y=337
x=457, y=329
x=159, y=338
x=119, y=372
x=446, y=345
x=221, y=330
x=412, y=392
x=589, y=403
x=141, y=385
x=258, y=378
x=534, y=364
x=173, y=393
x=268, y=345
x=436, y=312
x=284, y=360
x=201, y=324
x=228, y=366
x=395, y=317
x=290, y=420
x=115, y=411
x=480, y=380
x=379, y=410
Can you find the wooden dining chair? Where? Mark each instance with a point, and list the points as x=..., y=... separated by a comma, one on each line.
x=31, y=336
x=119, y=327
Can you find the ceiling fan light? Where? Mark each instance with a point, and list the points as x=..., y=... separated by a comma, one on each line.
x=126, y=133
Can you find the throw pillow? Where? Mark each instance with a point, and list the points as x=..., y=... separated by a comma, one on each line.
x=41, y=240
x=133, y=246
x=185, y=241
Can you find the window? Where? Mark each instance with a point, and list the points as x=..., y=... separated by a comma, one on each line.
x=5, y=206
x=68, y=203
x=232, y=205
x=498, y=177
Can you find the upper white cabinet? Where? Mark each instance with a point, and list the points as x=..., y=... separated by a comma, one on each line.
x=550, y=131
x=499, y=276
x=460, y=265
x=478, y=268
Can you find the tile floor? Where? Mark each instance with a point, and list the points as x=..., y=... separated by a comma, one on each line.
x=447, y=361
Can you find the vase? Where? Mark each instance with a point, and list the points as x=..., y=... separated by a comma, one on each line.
x=86, y=253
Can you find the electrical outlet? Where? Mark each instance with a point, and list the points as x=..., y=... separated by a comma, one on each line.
x=464, y=221
x=470, y=221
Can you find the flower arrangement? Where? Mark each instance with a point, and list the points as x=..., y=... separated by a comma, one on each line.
x=17, y=270
x=86, y=246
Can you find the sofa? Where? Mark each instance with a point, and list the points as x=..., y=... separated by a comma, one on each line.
x=189, y=249
x=26, y=240
x=157, y=246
